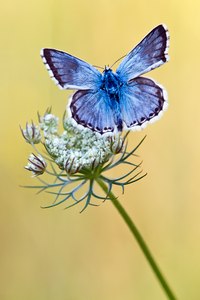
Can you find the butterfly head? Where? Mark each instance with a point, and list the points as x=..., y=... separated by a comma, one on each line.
x=107, y=68
x=110, y=81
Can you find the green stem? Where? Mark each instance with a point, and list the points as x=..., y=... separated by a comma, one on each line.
x=139, y=239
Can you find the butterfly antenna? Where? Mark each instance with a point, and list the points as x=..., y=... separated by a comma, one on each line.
x=117, y=60
x=98, y=67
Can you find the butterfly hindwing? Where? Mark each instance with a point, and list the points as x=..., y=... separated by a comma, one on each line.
x=70, y=72
x=149, y=54
x=93, y=110
x=141, y=101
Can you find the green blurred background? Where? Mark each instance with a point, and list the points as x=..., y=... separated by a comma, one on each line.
x=58, y=254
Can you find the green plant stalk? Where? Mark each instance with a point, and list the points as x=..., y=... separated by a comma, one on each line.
x=135, y=232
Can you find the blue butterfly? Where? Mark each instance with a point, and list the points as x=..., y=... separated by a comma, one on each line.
x=113, y=101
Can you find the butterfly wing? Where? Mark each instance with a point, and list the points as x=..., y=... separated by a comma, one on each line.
x=142, y=101
x=93, y=110
x=70, y=72
x=149, y=54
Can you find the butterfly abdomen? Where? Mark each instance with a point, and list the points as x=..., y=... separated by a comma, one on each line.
x=115, y=106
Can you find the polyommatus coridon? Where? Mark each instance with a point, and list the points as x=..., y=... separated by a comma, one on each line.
x=113, y=101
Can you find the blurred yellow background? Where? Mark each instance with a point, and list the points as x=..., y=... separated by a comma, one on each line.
x=61, y=254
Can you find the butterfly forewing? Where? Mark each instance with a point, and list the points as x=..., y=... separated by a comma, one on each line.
x=149, y=54
x=70, y=72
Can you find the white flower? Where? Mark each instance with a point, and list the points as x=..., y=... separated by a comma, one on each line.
x=83, y=156
x=77, y=147
x=49, y=123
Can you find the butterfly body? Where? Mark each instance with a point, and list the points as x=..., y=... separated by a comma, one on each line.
x=112, y=101
x=111, y=85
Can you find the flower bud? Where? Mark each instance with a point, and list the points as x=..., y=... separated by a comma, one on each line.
x=36, y=164
x=31, y=133
x=116, y=144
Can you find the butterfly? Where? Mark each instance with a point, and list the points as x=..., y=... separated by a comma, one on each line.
x=113, y=101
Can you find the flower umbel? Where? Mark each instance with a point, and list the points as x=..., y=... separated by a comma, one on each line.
x=78, y=158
